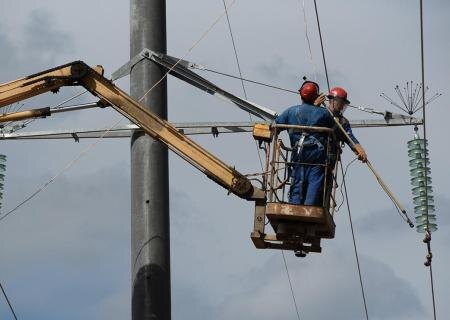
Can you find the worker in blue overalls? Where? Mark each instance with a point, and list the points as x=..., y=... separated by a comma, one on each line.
x=309, y=148
x=309, y=154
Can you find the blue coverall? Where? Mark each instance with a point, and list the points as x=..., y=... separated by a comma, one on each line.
x=307, y=179
x=348, y=129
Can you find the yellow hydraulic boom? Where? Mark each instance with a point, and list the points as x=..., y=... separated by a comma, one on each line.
x=79, y=73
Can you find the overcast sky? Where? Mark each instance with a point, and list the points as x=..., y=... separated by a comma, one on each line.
x=66, y=253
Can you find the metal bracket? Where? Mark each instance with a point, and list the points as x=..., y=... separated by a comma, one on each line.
x=75, y=137
x=180, y=68
x=127, y=67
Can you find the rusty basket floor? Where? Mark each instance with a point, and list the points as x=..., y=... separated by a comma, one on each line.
x=311, y=221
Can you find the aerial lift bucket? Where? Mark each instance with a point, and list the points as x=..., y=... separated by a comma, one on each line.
x=299, y=228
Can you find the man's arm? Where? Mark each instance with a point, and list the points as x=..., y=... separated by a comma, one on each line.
x=283, y=118
x=357, y=147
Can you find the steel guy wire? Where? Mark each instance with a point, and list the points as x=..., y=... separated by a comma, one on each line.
x=240, y=75
x=354, y=242
x=9, y=302
x=290, y=285
x=425, y=139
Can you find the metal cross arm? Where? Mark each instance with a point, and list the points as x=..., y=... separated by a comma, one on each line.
x=180, y=68
x=390, y=118
x=126, y=131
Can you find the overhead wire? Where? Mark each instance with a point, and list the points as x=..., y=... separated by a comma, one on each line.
x=290, y=285
x=240, y=75
x=8, y=301
x=308, y=42
x=234, y=48
x=91, y=146
x=257, y=148
x=344, y=184
x=354, y=241
x=428, y=232
x=190, y=49
x=311, y=57
x=363, y=109
x=321, y=45
x=341, y=188
x=248, y=80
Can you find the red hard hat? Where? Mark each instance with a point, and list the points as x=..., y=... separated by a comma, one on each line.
x=309, y=91
x=338, y=92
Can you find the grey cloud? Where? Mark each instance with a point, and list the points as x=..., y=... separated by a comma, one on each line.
x=188, y=303
x=278, y=69
x=265, y=291
x=74, y=240
x=388, y=221
x=42, y=44
x=43, y=40
x=389, y=296
x=7, y=55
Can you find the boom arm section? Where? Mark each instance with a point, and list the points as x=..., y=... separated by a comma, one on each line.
x=79, y=73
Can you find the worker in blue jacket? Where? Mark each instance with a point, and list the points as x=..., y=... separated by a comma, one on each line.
x=309, y=155
x=309, y=148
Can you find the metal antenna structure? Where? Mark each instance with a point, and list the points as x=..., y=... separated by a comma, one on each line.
x=410, y=97
x=411, y=102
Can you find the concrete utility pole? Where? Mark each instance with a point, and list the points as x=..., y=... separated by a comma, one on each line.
x=150, y=248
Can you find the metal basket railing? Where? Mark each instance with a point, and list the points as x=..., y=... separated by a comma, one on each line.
x=279, y=164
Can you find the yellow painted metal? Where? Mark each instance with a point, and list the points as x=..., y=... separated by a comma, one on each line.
x=262, y=132
x=22, y=115
x=24, y=88
x=79, y=73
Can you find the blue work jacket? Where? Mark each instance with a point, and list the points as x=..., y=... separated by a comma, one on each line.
x=306, y=115
x=348, y=129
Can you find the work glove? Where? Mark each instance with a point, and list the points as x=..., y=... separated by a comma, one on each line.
x=320, y=99
x=361, y=153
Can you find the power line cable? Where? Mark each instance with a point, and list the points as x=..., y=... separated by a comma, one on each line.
x=321, y=45
x=234, y=47
x=341, y=188
x=7, y=300
x=240, y=75
x=428, y=232
x=290, y=285
x=354, y=241
x=248, y=80
x=307, y=39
